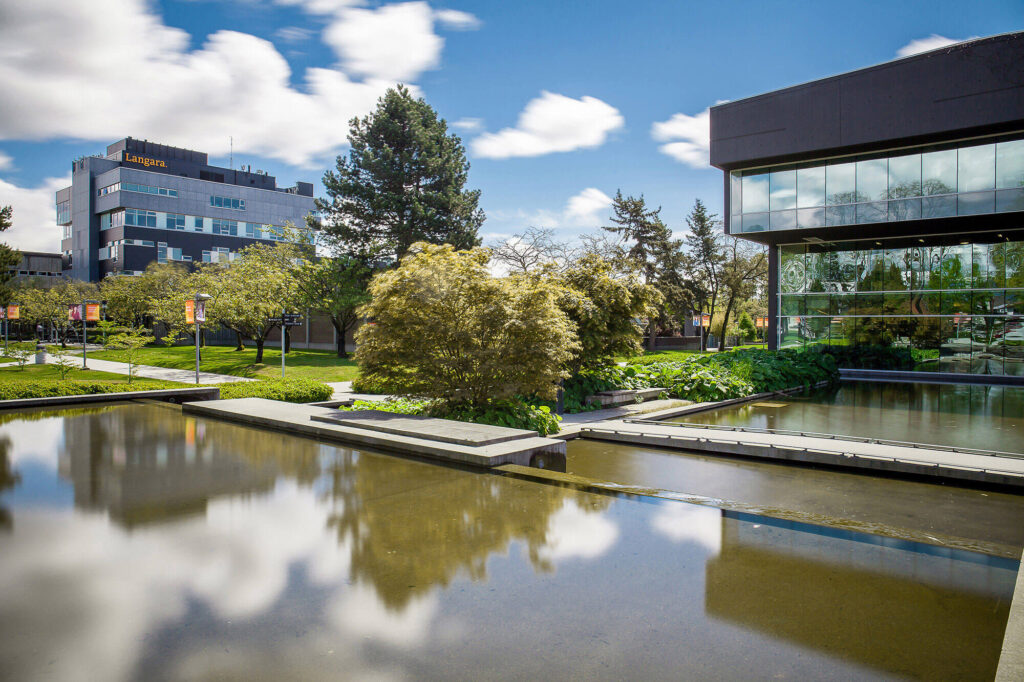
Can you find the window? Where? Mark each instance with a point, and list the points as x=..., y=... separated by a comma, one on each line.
x=197, y=224
x=175, y=221
x=139, y=217
x=225, y=227
x=63, y=212
x=134, y=187
x=254, y=230
x=227, y=202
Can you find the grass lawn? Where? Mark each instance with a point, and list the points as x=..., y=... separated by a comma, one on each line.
x=49, y=372
x=323, y=365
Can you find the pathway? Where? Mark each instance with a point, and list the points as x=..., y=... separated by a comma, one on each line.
x=185, y=376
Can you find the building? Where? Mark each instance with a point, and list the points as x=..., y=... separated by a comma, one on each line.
x=37, y=268
x=891, y=200
x=144, y=202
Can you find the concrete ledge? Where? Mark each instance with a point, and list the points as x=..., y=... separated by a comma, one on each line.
x=624, y=397
x=930, y=377
x=1011, y=662
x=171, y=395
x=298, y=419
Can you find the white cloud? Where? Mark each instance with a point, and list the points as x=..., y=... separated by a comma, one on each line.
x=5, y=161
x=35, y=224
x=687, y=138
x=552, y=123
x=587, y=208
x=130, y=74
x=293, y=34
x=576, y=533
x=468, y=124
x=457, y=19
x=393, y=42
x=932, y=42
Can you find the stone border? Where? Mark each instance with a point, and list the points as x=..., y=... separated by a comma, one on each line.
x=171, y=395
x=930, y=377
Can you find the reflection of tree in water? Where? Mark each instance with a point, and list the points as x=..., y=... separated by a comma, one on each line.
x=414, y=526
x=8, y=479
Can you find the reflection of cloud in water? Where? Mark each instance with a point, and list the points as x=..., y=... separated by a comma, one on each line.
x=682, y=522
x=43, y=446
x=577, y=533
x=96, y=598
x=358, y=611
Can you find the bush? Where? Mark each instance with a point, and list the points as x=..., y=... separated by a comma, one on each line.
x=287, y=390
x=514, y=414
x=13, y=390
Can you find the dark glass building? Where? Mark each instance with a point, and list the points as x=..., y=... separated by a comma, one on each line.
x=891, y=200
x=143, y=202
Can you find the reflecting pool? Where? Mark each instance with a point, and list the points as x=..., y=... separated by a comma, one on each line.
x=137, y=543
x=958, y=415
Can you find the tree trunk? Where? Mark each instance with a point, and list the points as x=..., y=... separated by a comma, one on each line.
x=725, y=322
x=340, y=331
x=652, y=335
x=259, y=350
x=238, y=341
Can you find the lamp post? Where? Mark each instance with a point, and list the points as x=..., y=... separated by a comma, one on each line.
x=199, y=315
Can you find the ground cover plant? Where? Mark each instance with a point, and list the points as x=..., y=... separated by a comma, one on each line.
x=288, y=390
x=323, y=365
x=515, y=414
x=41, y=381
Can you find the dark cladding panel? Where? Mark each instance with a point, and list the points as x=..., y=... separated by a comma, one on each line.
x=968, y=89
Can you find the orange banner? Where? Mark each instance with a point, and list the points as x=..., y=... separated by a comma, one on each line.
x=190, y=314
x=14, y=312
x=92, y=312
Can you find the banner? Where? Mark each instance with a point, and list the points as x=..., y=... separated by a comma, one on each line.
x=761, y=322
x=74, y=313
x=92, y=312
x=190, y=316
x=14, y=312
x=201, y=312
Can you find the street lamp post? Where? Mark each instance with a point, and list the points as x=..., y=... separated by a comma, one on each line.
x=199, y=315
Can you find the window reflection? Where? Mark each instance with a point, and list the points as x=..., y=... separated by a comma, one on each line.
x=976, y=168
x=755, y=193
x=1010, y=164
x=782, y=188
x=810, y=187
x=904, y=177
x=872, y=180
x=841, y=184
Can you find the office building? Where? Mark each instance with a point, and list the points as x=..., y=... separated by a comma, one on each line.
x=144, y=202
x=891, y=200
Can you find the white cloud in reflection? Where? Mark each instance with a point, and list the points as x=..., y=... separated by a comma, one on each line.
x=682, y=522
x=358, y=611
x=576, y=533
x=37, y=441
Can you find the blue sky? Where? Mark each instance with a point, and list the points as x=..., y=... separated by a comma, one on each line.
x=558, y=103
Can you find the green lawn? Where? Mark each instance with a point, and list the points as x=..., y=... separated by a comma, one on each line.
x=322, y=365
x=49, y=372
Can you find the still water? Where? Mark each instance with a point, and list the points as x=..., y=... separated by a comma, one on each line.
x=136, y=543
x=958, y=415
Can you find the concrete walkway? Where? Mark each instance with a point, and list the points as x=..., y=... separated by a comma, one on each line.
x=185, y=376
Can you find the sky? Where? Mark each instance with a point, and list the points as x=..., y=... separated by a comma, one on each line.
x=559, y=104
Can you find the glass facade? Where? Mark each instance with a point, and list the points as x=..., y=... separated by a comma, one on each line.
x=933, y=182
x=177, y=221
x=960, y=306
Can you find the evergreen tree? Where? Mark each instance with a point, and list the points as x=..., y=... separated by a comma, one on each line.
x=704, y=249
x=403, y=182
x=9, y=258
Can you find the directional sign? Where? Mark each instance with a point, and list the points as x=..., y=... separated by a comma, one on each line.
x=293, y=320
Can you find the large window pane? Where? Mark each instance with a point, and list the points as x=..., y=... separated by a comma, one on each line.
x=956, y=267
x=904, y=176
x=810, y=187
x=815, y=269
x=841, y=183
x=1010, y=200
x=755, y=222
x=938, y=172
x=872, y=180
x=875, y=212
x=841, y=215
x=783, y=220
x=810, y=217
x=782, y=189
x=755, y=193
x=976, y=168
x=736, y=193
x=791, y=269
x=975, y=203
x=938, y=207
x=1013, y=257
x=1010, y=164
x=897, y=269
x=905, y=209
x=792, y=304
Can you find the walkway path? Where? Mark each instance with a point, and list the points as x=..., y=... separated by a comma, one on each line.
x=185, y=376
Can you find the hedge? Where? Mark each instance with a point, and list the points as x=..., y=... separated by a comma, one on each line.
x=14, y=390
x=515, y=414
x=287, y=390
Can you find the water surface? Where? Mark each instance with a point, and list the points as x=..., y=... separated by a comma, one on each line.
x=136, y=543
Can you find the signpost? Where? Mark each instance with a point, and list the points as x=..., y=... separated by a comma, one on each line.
x=286, y=320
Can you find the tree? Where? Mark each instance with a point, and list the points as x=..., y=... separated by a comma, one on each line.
x=443, y=327
x=746, y=327
x=129, y=345
x=532, y=249
x=403, y=182
x=605, y=310
x=704, y=250
x=254, y=289
x=335, y=287
x=649, y=242
x=9, y=258
x=167, y=286
x=743, y=270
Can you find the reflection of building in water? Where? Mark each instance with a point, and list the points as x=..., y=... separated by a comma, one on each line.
x=8, y=479
x=909, y=609
x=160, y=466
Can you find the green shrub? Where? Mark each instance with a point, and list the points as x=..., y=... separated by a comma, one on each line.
x=371, y=386
x=514, y=414
x=287, y=390
x=13, y=390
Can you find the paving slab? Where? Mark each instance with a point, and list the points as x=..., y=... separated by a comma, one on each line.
x=299, y=419
x=949, y=464
x=184, y=376
x=430, y=428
